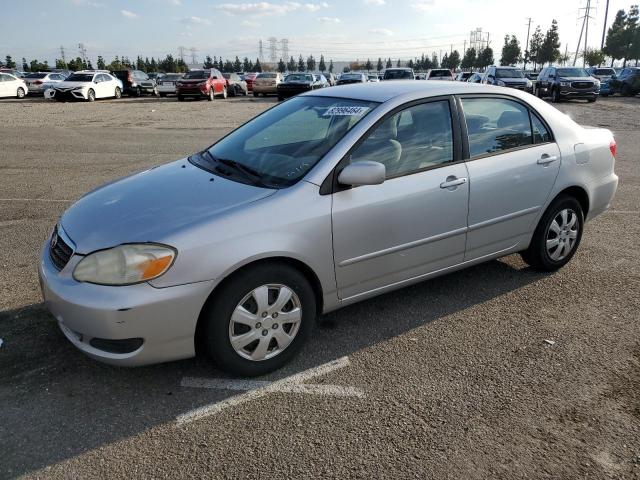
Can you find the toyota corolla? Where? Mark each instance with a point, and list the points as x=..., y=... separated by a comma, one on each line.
x=329, y=198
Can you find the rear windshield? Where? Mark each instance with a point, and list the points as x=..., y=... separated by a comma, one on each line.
x=36, y=75
x=397, y=74
x=509, y=73
x=440, y=73
x=351, y=76
x=195, y=74
x=267, y=75
x=171, y=76
x=80, y=77
x=295, y=77
x=280, y=146
x=572, y=72
x=604, y=71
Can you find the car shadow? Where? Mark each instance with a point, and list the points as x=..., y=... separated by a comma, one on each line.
x=55, y=403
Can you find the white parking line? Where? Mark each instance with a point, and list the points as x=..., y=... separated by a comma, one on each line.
x=255, y=389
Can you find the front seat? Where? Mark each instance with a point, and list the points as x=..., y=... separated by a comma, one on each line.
x=382, y=146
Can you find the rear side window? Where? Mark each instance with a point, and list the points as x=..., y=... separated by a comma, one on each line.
x=496, y=124
x=540, y=132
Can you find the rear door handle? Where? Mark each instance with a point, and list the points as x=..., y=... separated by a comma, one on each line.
x=546, y=159
x=453, y=182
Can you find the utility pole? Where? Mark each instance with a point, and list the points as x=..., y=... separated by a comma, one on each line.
x=604, y=27
x=526, y=45
x=566, y=54
x=585, y=30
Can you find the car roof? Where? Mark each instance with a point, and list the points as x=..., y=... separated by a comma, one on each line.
x=383, y=91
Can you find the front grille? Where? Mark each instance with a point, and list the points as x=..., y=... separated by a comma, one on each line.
x=59, y=251
x=582, y=84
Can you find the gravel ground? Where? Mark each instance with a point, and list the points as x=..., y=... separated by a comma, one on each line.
x=458, y=380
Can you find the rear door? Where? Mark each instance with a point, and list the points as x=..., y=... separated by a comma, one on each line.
x=513, y=164
x=413, y=223
x=4, y=85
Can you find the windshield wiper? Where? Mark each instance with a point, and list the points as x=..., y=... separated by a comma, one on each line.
x=249, y=173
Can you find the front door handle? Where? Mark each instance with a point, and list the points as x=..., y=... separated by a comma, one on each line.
x=546, y=159
x=453, y=181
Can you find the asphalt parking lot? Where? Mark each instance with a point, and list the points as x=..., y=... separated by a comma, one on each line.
x=492, y=372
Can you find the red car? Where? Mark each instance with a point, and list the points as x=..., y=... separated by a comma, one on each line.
x=249, y=78
x=207, y=84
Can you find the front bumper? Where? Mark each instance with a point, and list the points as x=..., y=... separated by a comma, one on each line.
x=191, y=91
x=265, y=89
x=286, y=92
x=93, y=315
x=79, y=94
x=571, y=93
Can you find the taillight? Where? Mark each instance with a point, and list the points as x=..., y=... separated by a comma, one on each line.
x=38, y=82
x=613, y=146
x=129, y=78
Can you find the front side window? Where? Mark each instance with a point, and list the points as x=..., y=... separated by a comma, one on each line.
x=411, y=140
x=495, y=124
x=279, y=147
x=540, y=132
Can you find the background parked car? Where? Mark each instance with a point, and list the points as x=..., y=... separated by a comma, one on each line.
x=399, y=74
x=235, y=84
x=156, y=75
x=511, y=77
x=463, y=76
x=136, y=82
x=296, y=83
x=167, y=84
x=440, y=74
x=249, y=78
x=205, y=83
x=12, y=86
x=476, y=77
x=331, y=78
x=38, y=82
x=87, y=85
x=322, y=79
x=373, y=78
x=12, y=71
x=627, y=82
x=347, y=78
x=266, y=83
x=566, y=82
x=604, y=75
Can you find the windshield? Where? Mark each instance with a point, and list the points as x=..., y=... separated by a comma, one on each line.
x=195, y=74
x=572, y=72
x=397, y=74
x=440, y=73
x=280, y=146
x=295, y=77
x=509, y=73
x=80, y=77
x=172, y=76
x=266, y=75
x=351, y=76
x=604, y=71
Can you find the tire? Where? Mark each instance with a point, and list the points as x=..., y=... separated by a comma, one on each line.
x=211, y=95
x=91, y=95
x=218, y=326
x=117, y=93
x=20, y=93
x=156, y=93
x=550, y=259
x=138, y=92
x=591, y=100
x=180, y=98
x=163, y=95
x=233, y=92
x=224, y=92
x=555, y=95
x=625, y=91
x=280, y=98
x=255, y=94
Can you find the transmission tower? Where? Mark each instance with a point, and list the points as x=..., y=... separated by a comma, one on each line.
x=478, y=39
x=83, y=53
x=181, y=51
x=273, y=49
x=194, y=57
x=260, y=51
x=284, y=49
x=62, y=55
x=585, y=29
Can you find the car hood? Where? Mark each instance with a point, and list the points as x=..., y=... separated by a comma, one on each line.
x=192, y=80
x=72, y=84
x=575, y=79
x=151, y=205
x=513, y=80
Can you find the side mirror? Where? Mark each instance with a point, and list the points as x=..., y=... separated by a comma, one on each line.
x=364, y=172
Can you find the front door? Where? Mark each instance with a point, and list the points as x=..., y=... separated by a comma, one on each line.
x=513, y=166
x=413, y=223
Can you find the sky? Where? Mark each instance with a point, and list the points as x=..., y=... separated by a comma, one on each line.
x=339, y=29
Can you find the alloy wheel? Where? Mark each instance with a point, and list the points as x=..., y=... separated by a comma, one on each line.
x=118, y=93
x=562, y=234
x=265, y=322
x=20, y=93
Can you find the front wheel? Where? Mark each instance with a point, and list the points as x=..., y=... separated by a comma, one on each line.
x=259, y=319
x=626, y=90
x=557, y=235
x=224, y=92
x=555, y=95
x=91, y=95
x=20, y=93
x=117, y=93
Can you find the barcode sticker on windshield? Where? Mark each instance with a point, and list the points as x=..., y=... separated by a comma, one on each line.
x=354, y=111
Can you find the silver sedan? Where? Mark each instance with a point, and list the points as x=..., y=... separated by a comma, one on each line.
x=327, y=199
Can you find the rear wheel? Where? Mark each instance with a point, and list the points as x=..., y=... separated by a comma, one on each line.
x=224, y=92
x=180, y=98
x=234, y=91
x=255, y=94
x=259, y=319
x=557, y=235
x=163, y=95
x=591, y=100
x=117, y=93
x=211, y=95
x=91, y=95
x=20, y=93
x=138, y=92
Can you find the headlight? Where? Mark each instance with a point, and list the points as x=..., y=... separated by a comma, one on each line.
x=125, y=264
x=564, y=84
x=529, y=84
x=500, y=83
